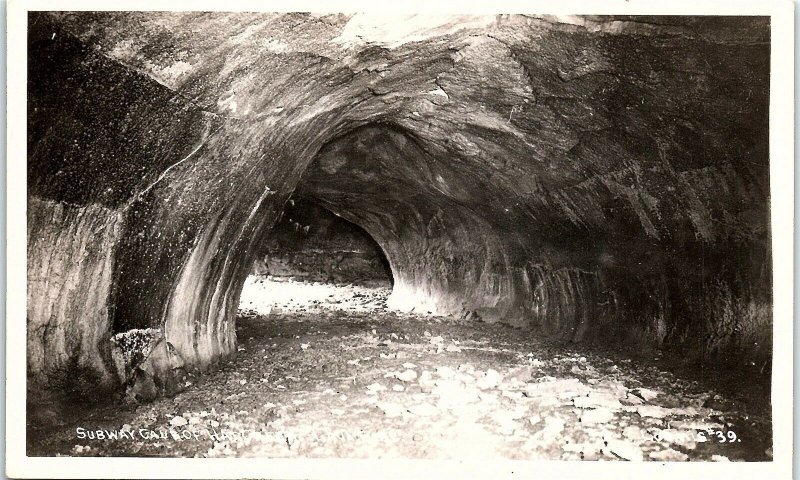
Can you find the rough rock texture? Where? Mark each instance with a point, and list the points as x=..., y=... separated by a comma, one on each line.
x=310, y=243
x=346, y=378
x=70, y=269
x=592, y=178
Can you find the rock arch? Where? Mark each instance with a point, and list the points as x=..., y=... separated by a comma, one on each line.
x=587, y=178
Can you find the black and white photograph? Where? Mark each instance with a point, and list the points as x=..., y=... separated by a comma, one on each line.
x=444, y=237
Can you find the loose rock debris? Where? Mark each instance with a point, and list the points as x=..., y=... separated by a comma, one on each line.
x=362, y=381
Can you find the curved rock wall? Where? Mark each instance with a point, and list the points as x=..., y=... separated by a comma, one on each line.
x=451, y=258
x=70, y=271
x=591, y=178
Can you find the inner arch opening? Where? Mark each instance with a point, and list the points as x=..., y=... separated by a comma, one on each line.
x=314, y=259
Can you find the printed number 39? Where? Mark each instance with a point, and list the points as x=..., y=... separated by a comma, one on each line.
x=722, y=437
x=731, y=436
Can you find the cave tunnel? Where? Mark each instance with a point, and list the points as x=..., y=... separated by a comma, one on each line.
x=314, y=258
x=571, y=215
x=310, y=242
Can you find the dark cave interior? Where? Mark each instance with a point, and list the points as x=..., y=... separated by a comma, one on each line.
x=600, y=182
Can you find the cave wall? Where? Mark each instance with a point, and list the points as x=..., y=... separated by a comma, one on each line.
x=618, y=286
x=588, y=178
x=113, y=143
x=91, y=151
x=624, y=197
x=69, y=277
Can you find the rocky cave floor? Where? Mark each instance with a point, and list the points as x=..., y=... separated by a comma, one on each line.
x=334, y=373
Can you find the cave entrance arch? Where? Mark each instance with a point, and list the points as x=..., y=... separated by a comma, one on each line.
x=474, y=204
